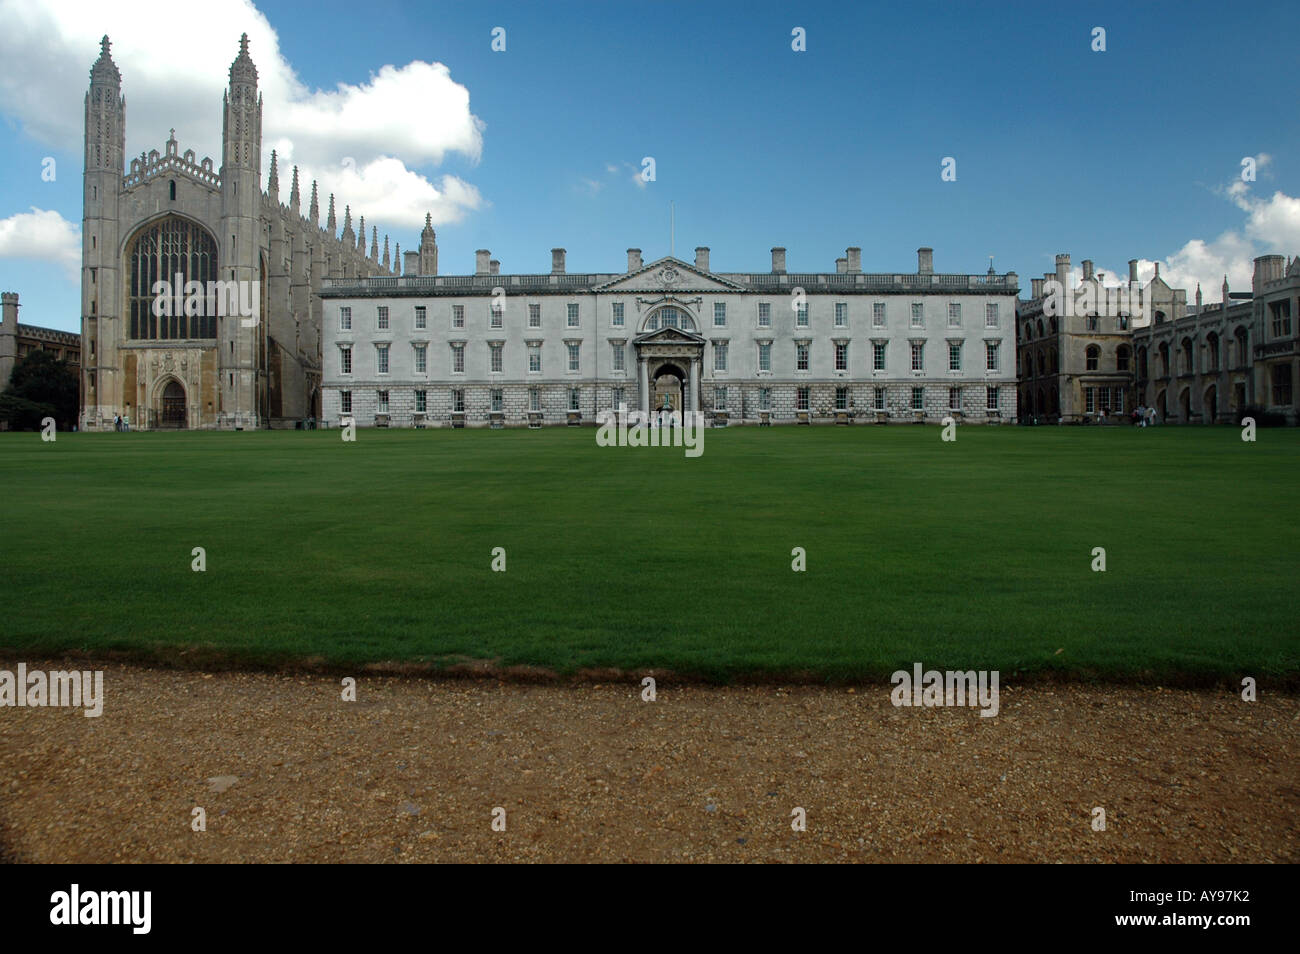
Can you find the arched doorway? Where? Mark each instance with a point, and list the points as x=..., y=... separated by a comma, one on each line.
x=1185, y=404
x=667, y=390
x=1162, y=406
x=1212, y=404
x=171, y=411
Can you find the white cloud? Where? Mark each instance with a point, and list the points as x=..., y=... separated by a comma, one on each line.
x=175, y=68
x=42, y=235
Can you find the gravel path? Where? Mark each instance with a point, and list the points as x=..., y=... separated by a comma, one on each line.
x=411, y=771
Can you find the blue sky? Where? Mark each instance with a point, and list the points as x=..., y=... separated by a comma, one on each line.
x=1108, y=155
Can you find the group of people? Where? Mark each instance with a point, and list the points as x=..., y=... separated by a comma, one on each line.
x=121, y=424
x=1144, y=416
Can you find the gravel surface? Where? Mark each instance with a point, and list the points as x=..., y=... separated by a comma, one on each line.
x=412, y=771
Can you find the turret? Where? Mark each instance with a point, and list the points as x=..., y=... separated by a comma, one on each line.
x=428, y=248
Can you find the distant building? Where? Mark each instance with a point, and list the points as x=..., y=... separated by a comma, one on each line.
x=18, y=340
x=492, y=349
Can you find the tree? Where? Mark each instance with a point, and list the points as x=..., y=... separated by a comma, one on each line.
x=41, y=385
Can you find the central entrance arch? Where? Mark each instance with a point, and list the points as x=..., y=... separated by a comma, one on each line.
x=669, y=384
x=171, y=411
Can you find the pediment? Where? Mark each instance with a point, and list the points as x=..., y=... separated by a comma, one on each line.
x=669, y=274
x=669, y=336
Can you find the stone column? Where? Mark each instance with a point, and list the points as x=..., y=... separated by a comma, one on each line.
x=643, y=375
x=694, y=399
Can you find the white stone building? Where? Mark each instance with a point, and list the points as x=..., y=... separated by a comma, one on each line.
x=493, y=349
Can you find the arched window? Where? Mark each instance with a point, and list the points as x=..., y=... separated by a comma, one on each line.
x=1055, y=325
x=669, y=318
x=1092, y=357
x=1189, y=356
x=1053, y=361
x=159, y=252
x=1042, y=364
x=1142, y=364
x=1121, y=358
x=1163, y=351
x=1040, y=327
x=171, y=189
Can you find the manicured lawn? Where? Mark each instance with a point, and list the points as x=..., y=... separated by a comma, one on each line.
x=974, y=554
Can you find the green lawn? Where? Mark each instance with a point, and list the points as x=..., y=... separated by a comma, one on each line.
x=973, y=554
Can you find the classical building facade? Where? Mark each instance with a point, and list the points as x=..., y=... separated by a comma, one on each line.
x=169, y=215
x=493, y=349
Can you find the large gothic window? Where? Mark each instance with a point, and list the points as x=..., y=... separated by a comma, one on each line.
x=170, y=247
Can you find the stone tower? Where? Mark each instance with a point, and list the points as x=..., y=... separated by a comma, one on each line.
x=242, y=343
x=101, y=288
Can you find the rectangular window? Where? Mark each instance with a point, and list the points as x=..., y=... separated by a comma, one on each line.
x=991, y=361
x=918, y=356
x=458, y=316
x=421, y=401
x=880, y=399
x=574, y=397
x=496, y=313
x=841, y=356
x=458, y=359
x=496, y=399
x=764, y=314
x=616, y=314
x=765, y=399
x=345, y=402
x=1092, y=323
x=918, y=399
x=383, y=318
x=496, y=358
x=381, y=359
x=841, y=314
x=991, y=396
x=1123, y=322
x=1282, y=384
x=801, y=357
x=421, y=359
x=719, y=314
x=801, y=399
x=620, y=360
x=534, y=359
x=574, y=364
x=991, y=315
x=878, y=314
x=381, y=402
x=719, y=399
x=534, y=399
x=801, y=316
x=1281, y=311
x=573, y=314
x=954, y=399
x=877, y=356
x=421, y=318
x=765, y=356
x=1117, y=400
x=954, y=314
x=458, y=400
x=918, y=315
x=534, y=315
x=720, y=356
x=1090, y=400
x=345, y=319
x=617, y=396
x=954, y=355
x=841, y=399
x=345, y=359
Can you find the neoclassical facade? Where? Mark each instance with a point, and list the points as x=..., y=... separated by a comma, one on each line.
x=512, y=350
x=169, y=214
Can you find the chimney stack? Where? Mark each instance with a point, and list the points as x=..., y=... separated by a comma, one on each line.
x=1063, y=270
x=1133, y=269
x=702, y=257
x=1087, y=269
x=925, y=261
x=841, y=266
x=778, y=261
x=494, y=267
x=557, y=261
x=855, y=259
x=482, y=261
x=633, y=259
x=1036, y=288
x=410, y=263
